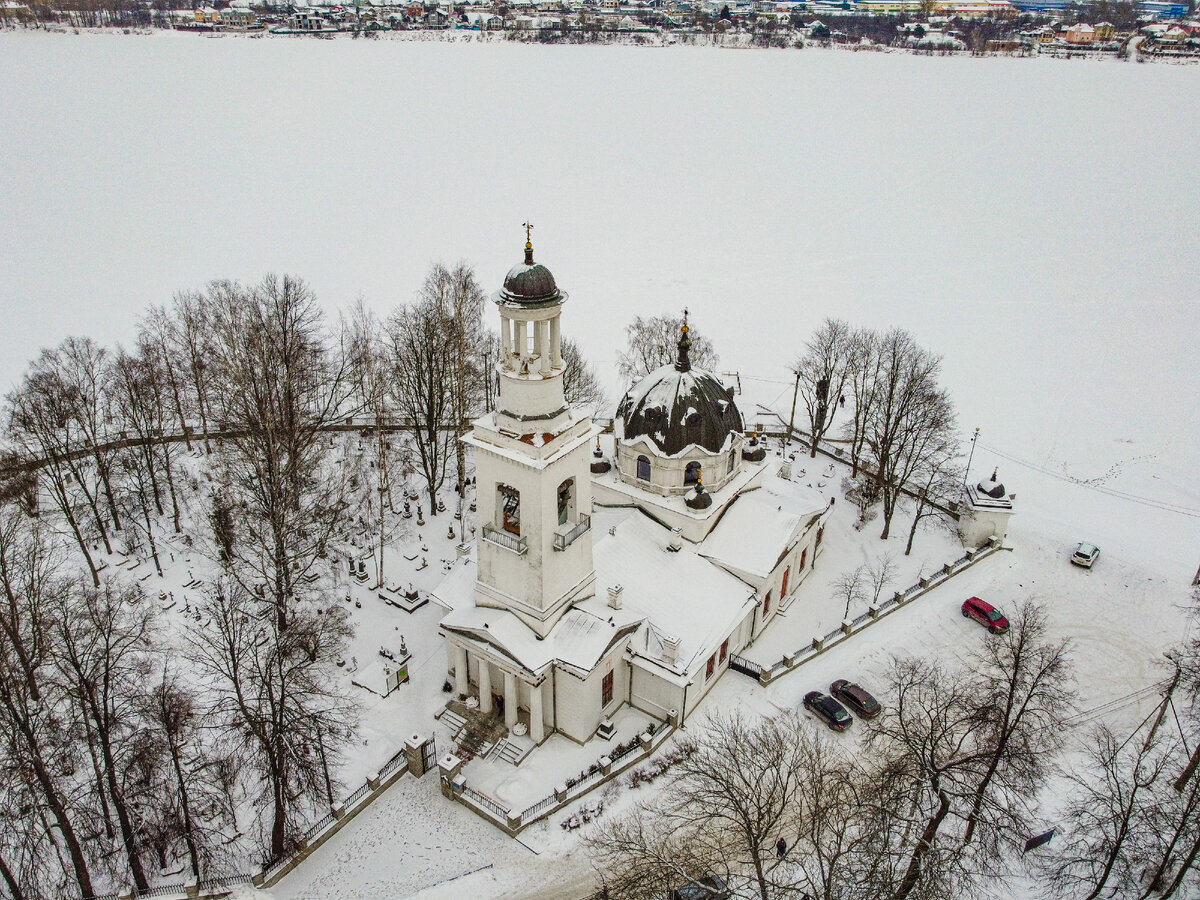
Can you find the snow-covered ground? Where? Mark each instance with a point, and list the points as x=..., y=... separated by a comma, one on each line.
x=1034, y=221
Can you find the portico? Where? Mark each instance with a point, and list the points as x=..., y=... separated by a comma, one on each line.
x=519, y=689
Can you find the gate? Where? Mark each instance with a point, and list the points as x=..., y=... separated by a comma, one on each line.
x=745, y=666
x=429, y=755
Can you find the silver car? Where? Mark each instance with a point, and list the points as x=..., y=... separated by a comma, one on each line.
x=1085, y=555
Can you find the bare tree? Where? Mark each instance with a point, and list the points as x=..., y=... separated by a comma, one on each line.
x=173, y=715
x=422, y=351
x=881, y=573
x=654, y=341
x=42, y=426
x=1024, y=687
x=911, y=418
x=36, y=739
x=581, y=385
x=101, y=642
x=862, y=363
x=927, y=741
x=277, y=384
x=736, y=790
x=850, y=587
x=1108, y=824
x=821, y=375
x=273, y=690
x=940, y=479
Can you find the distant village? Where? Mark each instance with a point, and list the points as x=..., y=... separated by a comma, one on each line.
x=1149, y=29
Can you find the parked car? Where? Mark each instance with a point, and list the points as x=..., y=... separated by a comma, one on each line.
x=827, y=710
x=712, y=887
x=857, y=700
x=985, y=614
x=1085, y=555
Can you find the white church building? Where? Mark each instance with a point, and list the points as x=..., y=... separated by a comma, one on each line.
x=555, y=626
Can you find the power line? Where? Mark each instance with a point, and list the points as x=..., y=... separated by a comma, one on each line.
x=1111, y=492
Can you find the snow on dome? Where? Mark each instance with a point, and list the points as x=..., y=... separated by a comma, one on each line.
x=993, y=489
x=530, y=283
x=677, y=410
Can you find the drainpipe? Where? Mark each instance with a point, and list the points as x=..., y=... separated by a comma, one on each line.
x=554, y=691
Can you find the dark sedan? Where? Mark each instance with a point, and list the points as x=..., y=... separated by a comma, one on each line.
x=827, y=710
x=857, y=700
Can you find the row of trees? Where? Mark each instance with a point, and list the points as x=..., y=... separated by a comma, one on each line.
x=132, y=747
x=938, y=802
x=899, y=426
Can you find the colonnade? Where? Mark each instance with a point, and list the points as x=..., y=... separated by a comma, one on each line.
x=512, y=695
x=547, y=343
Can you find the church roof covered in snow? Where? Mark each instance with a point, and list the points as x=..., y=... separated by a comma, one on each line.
x=753, y=535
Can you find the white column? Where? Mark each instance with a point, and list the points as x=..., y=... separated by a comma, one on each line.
x=462, y=679
x=522, y=341
x=543, y=333
x=511, y=699
x=537, y=728
x=506, y=342
x=485, y=686
x=556, y=342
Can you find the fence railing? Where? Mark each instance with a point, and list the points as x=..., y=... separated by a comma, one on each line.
x=563, y=541
x=821, y=643
x=517, y=545
x=486, y=802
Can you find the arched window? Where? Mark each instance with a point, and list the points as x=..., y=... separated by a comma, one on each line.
x=508, y=508
x=691, y=473
x=643, y=468
x=803, y=557
x=820, y=535
x=786, y=573
x=566, y=501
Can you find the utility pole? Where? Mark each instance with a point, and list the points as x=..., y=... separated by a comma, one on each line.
x=1162, y=709
x=792, y=419
x=967, y=470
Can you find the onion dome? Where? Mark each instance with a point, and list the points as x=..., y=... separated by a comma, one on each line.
x=676, y=407
x=530, y=283
x=698, y=498
x=753, y=450
x=991, y=488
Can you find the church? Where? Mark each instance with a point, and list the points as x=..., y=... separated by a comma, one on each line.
x=601, y=579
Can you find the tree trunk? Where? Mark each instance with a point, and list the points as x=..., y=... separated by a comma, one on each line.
x=14, y=888
x=1184, y=868
x=913, y=873
x=189, y=830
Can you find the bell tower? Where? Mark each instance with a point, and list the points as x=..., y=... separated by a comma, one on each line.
x=532, y=463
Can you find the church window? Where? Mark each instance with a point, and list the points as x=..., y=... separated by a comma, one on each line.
x=566, y=501
x=508, y=499
x=767, y=605
x=643, y=472
x=724, y=649
x=820, y=534
x=803, y=557
x=786, y=572
x=712, y=664
x=691, y=474
x=606, y=689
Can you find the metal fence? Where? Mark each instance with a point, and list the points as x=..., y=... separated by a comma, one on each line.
x=486, y=802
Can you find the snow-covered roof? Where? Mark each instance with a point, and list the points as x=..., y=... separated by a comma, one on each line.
x=678, y=408
x=681, y=594
x=753, y=535
x=669, y=594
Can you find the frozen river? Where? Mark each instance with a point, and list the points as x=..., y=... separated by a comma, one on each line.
x=1034, y=221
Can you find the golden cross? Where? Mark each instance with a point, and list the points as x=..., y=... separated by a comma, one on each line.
x=528, y=228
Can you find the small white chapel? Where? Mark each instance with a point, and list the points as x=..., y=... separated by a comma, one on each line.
x=556, y=625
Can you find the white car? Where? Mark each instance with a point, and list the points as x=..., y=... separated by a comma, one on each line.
x=1085, y=555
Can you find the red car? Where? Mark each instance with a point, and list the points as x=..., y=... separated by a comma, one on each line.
x=985, y=614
